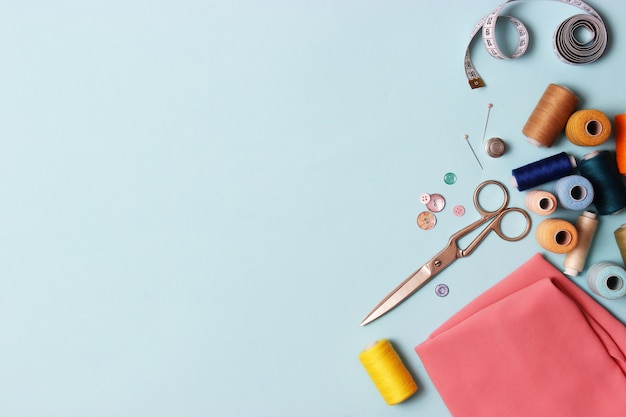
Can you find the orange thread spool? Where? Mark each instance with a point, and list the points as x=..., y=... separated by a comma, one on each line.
x=550, y=115
x=588, y=128
x=557, y=235
x=620, y=142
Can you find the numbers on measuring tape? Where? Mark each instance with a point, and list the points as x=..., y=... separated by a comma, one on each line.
x=564, y=43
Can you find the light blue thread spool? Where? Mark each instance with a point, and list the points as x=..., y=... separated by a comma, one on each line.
x=607, y=279
x=574, y=192
x=600, y=168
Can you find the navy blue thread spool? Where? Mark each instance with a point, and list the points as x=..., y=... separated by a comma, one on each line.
x=543, y=171
x=574, y=192
x=600, y=168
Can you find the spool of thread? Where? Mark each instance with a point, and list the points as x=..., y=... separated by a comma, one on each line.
x=575, y=259
x=574, y=192
x=600, y=169
x=495, y=147
x=607, y=279
x=540, y=202
x=620, y=239
x=588, y=128
x=550, y=115
x=620, y=142
x=385, y=368
x=543, y=171
x=557, y=235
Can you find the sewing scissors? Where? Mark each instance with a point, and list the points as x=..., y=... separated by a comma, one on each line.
x=451, y=252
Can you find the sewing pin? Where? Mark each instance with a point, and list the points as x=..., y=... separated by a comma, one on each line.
x=489, y=106
x=466, y=137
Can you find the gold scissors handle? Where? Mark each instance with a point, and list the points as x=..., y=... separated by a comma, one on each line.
x=451, y=252
x=496, y=216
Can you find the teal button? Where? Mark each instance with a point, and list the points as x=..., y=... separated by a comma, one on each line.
x=449, y=178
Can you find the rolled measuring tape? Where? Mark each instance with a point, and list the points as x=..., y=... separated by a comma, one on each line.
x=388, y=373
x=607, y=280
x=566, y=46
x=588, y=127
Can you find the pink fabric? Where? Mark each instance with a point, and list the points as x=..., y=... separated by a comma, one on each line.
x=533, y=345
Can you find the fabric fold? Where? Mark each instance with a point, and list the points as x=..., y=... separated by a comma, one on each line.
x=533, y=345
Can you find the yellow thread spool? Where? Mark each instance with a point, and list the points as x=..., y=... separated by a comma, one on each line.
x=620, y=238
x=575, y=259
x=541, y=202
x=557, y=235
x=550, y=115
x=385, y=368
x=588, y=128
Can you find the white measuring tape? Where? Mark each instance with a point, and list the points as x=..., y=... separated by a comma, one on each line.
x=565, y=44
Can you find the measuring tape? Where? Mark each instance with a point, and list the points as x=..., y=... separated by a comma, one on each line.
x=566, y=47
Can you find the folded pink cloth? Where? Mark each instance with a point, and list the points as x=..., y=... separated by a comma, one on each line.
x=534, y=345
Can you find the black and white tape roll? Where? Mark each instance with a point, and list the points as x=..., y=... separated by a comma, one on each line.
x=566, y=46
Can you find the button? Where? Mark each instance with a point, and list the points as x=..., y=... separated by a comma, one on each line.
x=425, y=198
x=442, y=290
x=449, y=178
x=458, y=210
x=426, y=220
x=436, y=203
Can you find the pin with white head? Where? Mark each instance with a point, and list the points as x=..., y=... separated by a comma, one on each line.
x=489, y=106
x=466, y=137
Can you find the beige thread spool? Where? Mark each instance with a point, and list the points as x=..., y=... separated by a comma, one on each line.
x=550, y=115
x=620, y=239
x=588, y=127
x=575, y=259
x=541, y=202
x=557, y=235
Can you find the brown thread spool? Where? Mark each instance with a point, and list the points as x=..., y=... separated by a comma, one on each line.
x=541, y=202
x=575, y=259
x=550, y=115
x=557, y=235
x=588, y=128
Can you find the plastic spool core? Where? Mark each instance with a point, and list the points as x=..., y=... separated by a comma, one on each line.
x=546, y=204
x=578, y=193
x=593, y=127
x=563, y=238
x=614, y=283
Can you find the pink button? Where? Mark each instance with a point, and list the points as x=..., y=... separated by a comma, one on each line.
x=458, y=210
x=436, y=203
x=425, y=198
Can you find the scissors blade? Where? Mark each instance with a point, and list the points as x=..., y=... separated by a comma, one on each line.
x=401, y=292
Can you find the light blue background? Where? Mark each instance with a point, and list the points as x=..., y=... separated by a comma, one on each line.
x=202, y=199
